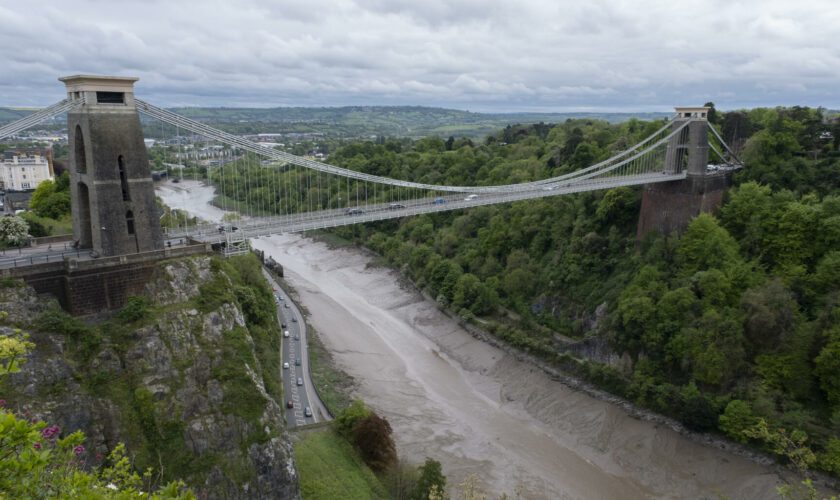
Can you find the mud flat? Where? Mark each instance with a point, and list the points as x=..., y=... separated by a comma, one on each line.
x=194, y=197
x=478, y=410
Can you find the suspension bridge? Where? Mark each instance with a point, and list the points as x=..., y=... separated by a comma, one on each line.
x=113, y=201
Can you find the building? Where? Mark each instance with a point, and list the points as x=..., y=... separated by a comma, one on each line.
x=23, y=170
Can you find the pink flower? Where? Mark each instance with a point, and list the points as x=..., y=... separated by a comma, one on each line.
x=37, y=446
x=78, y=450
x=51, y=432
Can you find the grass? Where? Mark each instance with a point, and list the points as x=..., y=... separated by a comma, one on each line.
x=333, y=385
x=329, y=468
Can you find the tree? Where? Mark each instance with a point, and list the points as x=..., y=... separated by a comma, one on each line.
x=737, y=418
x=431, y=478
x=372, y=436
x=828, y=368
x=705, y=245
x=51, y=199
x=348, y=418
x=14, y=231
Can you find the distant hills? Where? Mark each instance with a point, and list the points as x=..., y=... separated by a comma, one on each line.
x=366, y=121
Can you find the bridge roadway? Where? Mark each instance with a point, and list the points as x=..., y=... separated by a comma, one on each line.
x=322, y=219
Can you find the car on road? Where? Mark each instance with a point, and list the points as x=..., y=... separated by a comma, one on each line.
x=438, y=201
x=294, y=319
x=290, y=404
x=285, y=332
x=395, y=206
x=354, y=211
x=285, y=366
x=286, y=305
x=307, y=411
x=471, y=197
x=300, y=381
x=297, y=337
x=282, y=325
x=297, y=362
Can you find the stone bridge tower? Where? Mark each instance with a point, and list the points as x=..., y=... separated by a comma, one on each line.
x=670, y=206
x=112, y=196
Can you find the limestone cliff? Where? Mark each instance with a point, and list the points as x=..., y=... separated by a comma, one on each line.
x=187, y=377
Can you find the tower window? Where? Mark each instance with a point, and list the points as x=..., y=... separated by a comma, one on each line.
x=126, y=195
x=81, y=160
x=110, y=98
x=129, y=221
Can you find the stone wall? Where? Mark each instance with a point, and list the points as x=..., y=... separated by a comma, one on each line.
x=91, y=286
x=670, y=206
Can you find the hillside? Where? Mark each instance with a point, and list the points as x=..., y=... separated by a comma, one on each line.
x=366, y=121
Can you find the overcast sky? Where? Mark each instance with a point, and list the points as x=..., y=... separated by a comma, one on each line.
x=479, y=55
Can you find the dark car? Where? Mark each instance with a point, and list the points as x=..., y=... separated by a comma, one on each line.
x=354, y=211
x=283, y=325
x=396, y=206
x=438, y=201
x=290, y=404
x=297, y=361
x=294, y=319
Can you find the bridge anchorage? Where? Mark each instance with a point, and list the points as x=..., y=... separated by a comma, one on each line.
x=115, y=219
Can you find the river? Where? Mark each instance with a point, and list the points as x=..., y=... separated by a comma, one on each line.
x=477, y=409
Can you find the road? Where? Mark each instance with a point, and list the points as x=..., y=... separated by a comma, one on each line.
x=295, y=353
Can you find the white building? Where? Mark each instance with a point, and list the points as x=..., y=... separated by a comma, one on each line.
x=23, y=170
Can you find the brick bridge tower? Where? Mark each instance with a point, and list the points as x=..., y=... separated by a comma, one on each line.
x=670, y=206
x=112, y=196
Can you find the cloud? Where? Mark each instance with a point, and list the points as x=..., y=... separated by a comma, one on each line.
x=469, y=54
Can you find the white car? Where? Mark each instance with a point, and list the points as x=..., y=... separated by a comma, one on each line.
x=471, y=197
x=285, y=366
x=285, y=333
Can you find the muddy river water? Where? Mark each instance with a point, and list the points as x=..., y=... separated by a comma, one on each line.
x=475, y=408
x=478, y=410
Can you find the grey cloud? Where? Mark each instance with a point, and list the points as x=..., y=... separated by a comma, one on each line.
x=473, y=54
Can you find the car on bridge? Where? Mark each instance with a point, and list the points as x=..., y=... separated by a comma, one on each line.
x=438, y=201
x=471, y=197
x=354, y=211
x=395, y=206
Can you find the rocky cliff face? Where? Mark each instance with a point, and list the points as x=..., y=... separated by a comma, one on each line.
x=186, y=377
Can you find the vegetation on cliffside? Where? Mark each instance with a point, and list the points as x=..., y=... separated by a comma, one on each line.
x=187, y=376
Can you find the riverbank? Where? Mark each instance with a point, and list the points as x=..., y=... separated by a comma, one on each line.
x=478, y=409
